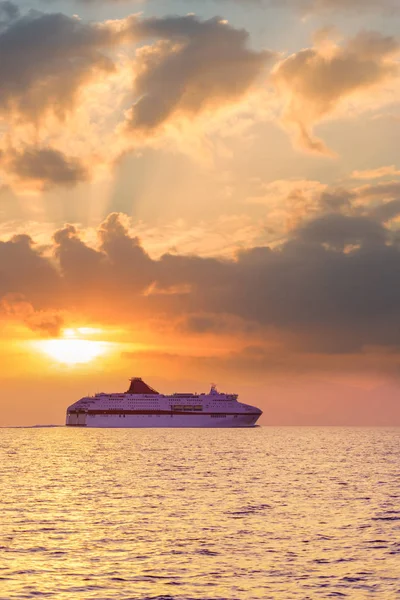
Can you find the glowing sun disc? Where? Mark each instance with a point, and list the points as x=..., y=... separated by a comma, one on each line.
x=72, y=351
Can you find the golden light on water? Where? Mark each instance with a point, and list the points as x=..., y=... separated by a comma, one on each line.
x=71, y=349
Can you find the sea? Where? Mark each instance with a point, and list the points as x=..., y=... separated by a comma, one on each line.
x=276, y=513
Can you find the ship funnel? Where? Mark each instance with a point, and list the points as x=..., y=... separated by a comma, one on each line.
x=138, y=386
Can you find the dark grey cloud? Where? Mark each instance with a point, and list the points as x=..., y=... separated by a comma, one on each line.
x=125, y=255
x=202, y=323
x=120, y=265
x=194, y=65
x=378, y=200
x=336, y=199
x=44, y=166
x=338, y=231
x=80, y=265
x=332, y=287
x=386, y=211
x=388, y=190
x=46, y=58
x=24, y=270
x=188, y=65
x=8, y=12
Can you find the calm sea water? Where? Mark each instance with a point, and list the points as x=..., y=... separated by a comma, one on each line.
x=280, y=513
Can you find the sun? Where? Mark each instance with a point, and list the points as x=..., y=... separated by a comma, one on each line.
x=71, y=349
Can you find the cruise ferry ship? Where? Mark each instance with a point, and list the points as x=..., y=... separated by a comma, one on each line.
x=142, y=406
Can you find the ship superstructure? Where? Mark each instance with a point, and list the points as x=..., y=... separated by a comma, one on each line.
x=142, y=406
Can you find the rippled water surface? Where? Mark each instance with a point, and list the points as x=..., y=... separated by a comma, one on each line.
x=282, y=513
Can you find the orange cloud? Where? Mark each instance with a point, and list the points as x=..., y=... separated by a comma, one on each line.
x=376, y=173
x=83, y=75
x=313, y=282
x=185, y=68
x=15, y=307
x=315, y=81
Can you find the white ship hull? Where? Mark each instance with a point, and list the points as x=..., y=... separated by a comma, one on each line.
x=170, y=421
x=142, y=406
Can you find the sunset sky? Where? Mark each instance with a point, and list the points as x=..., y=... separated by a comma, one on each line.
x=197, y=191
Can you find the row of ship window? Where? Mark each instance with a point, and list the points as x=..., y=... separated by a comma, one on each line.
x=214, y=415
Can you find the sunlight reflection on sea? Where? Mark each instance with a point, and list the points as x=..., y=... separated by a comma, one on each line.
x=268, y=513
